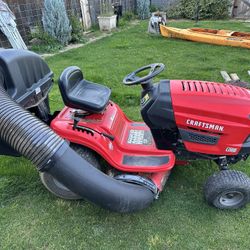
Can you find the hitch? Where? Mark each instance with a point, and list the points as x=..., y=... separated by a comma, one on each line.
x=222, y=162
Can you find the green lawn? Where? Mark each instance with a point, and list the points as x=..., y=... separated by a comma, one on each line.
x=32, y=218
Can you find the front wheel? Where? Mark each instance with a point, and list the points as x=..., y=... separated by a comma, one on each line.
x=57, y=188
x=228, y=189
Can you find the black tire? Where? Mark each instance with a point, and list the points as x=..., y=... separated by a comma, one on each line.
x=59, y=189
x=227, y=189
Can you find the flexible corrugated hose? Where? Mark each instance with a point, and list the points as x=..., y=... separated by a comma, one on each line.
x=26, y=133
x=48, y=152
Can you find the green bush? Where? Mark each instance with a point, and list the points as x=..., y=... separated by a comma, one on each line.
x=208, y=9
x=153, y=8
x=122, y=23
x=77, y=30
x=128, y=16
x=42, y=42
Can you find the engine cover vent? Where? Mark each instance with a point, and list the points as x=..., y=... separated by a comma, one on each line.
x=214, y=88
x=190, y=136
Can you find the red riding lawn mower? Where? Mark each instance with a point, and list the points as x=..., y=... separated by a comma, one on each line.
x=91, y=149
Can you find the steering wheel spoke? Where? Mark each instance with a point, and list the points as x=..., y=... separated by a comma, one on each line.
x=153, y=67
x=133, y=79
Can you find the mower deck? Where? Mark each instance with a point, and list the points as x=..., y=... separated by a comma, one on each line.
x=126, y=145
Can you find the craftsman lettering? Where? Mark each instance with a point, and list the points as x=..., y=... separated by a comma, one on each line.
x=205, y=125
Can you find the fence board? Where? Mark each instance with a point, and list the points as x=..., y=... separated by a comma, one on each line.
x=29, y=13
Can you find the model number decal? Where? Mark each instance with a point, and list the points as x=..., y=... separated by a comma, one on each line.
x=231, y=150
x=205, y=125
x=139, y=137
x=145, y=99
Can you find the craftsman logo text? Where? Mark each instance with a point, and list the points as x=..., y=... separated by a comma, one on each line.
x=205, y=125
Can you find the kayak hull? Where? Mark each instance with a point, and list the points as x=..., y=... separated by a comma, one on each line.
x=219, y=37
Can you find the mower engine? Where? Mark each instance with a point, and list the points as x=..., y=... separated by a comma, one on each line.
x=199, y=119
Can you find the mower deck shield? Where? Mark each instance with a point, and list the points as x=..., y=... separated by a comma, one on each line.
x=124, y=144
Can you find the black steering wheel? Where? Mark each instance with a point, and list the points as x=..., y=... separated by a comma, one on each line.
x=133, y=79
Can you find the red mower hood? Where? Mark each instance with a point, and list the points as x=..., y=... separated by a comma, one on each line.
x=215, y=109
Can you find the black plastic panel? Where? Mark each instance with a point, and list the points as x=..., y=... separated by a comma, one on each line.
x=157, y=112
x=25, y=76
x=245, y=149
x=196, y=137
x=27, y=79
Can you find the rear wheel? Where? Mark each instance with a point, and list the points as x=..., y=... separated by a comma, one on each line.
x=57, y=188
x=228, y=189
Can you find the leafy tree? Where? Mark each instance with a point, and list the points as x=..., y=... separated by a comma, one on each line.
x=55, y=20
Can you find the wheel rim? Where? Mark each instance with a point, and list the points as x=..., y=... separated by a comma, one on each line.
x=60, y=185
x=231, y=198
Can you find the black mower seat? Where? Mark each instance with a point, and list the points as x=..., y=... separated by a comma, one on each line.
x=81, y=94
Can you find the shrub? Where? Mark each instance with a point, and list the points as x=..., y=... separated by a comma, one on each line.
x=55, y=21
x=77, y=30
x=208, y=9
x=143, y=9
x=42, y=42
x=216, y=9
x=153, y=8
x=128, y=16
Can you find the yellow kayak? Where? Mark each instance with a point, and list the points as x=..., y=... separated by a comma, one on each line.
x=219, y=37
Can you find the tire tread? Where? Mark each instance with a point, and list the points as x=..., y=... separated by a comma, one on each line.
x=223, y=180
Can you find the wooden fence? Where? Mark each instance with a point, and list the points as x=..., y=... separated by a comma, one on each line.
x=94, y=5
x=29, y=14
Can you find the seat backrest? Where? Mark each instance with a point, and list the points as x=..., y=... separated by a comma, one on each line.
x=78, y=93
x=68, y=80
